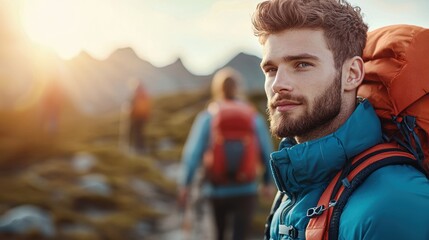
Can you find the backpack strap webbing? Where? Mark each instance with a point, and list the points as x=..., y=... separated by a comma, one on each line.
x=324, y=218
x=276, y=204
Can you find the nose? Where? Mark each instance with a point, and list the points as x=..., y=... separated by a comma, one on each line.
x=281, y=82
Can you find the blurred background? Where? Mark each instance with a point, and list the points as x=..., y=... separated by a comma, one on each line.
x=68, y=71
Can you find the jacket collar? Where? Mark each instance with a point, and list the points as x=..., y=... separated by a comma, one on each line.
x=296, y=167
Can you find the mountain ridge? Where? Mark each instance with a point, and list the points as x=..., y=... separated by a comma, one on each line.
x=123, y=65
x=95, y=85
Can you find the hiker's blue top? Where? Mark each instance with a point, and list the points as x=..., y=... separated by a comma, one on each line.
x=196, y=145
x=393, y=202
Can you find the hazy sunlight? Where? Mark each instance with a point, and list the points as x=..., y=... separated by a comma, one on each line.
x=52, y=24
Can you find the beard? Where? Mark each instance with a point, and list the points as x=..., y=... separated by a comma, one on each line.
x=326, y=107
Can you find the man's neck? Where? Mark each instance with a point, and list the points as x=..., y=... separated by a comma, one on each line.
x=319, y=132
x=327, y=128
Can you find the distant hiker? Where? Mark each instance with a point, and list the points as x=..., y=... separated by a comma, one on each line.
x=231, y=141
x=338, y=175
x=138, y=112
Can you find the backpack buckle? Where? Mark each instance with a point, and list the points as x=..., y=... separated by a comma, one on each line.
x=293, y=233
x=290, y=231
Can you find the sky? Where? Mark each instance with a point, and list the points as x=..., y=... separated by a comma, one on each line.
x=205, y=34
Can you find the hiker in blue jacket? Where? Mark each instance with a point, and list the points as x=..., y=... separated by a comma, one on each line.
x=312, y=63
x=236, y=200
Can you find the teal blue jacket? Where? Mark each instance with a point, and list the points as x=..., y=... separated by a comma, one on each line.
x=393, y=203
x=198, y=142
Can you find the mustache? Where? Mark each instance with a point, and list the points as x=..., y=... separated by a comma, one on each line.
x=284, y=97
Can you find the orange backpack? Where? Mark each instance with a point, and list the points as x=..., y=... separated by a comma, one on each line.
x=141, y=104
x=234, y=150
x=397, y=85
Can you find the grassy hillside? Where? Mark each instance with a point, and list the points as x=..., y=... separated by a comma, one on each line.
x=37, y=167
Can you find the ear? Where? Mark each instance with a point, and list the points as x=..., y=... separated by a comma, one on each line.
x=354, y=73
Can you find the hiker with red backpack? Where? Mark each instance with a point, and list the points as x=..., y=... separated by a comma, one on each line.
x=231, y=142
x=344, y=169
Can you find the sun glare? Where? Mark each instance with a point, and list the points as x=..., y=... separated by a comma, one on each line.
x=53, y=24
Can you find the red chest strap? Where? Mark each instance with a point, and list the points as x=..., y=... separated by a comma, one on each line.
x=320, y=216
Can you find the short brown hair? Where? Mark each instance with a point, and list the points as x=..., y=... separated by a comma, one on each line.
x=342, y=24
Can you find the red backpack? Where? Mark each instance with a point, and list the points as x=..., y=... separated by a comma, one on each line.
x=397, y=85
x=233, y=153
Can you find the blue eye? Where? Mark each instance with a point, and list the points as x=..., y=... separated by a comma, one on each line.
x=303, y=65
x=270, y=71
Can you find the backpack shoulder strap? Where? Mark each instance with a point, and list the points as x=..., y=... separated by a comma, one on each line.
x=324, y=218
x=279, y=198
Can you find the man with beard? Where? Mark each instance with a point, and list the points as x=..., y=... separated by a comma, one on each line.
x=312, y=64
